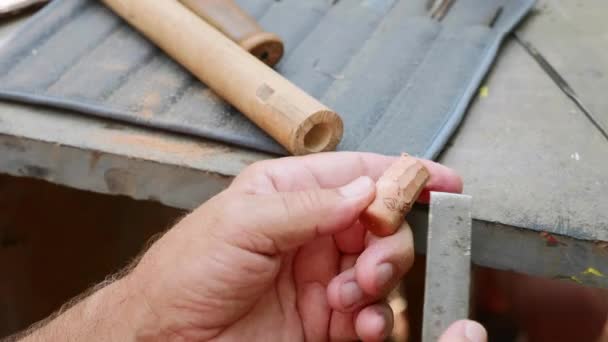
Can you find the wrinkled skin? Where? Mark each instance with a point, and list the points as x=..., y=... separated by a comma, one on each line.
x=280, y=255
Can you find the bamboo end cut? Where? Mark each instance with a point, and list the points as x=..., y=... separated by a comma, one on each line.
x=265, y=46
x=320, y=132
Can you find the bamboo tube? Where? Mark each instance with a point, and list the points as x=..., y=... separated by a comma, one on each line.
x=234, y=22
x=295, y=119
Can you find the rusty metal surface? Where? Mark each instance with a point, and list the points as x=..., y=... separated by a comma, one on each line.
x=511, y=248
x=108, y=173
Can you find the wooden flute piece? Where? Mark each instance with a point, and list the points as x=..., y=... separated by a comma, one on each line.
x=295, y=119
x=234, y=22
x=396, y=192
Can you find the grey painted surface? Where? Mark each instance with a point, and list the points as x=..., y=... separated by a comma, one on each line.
x=448, y=264
x=108, y=173
x=529, y=157
x=572, y=36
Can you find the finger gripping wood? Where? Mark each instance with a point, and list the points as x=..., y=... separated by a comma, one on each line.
x=234, y=22
x=396, y=192
x=295, y=119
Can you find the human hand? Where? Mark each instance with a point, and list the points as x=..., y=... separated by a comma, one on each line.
x=280, y=255
x=465, y=331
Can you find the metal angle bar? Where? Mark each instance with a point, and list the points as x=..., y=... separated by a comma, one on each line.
x=448, y=264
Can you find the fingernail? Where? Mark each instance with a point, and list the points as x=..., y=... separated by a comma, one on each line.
x=359, y=187
x=351, y=293
x=380, y=324
x=474, y=332
x=384, y=274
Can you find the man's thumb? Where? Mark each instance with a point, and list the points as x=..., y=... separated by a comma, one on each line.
x=291, y=219
x=465, y=331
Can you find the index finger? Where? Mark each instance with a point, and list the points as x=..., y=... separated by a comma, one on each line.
x=335, y=169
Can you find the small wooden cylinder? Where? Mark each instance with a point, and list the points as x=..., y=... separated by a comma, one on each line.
x=396, y=192
x=234, y=22
x=295, y=119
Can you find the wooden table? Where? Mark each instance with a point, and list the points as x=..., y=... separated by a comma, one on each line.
x=530, y=158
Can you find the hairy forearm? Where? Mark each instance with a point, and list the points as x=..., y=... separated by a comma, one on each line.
x=111, y=313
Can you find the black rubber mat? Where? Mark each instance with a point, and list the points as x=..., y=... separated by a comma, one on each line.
x=400, y=80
